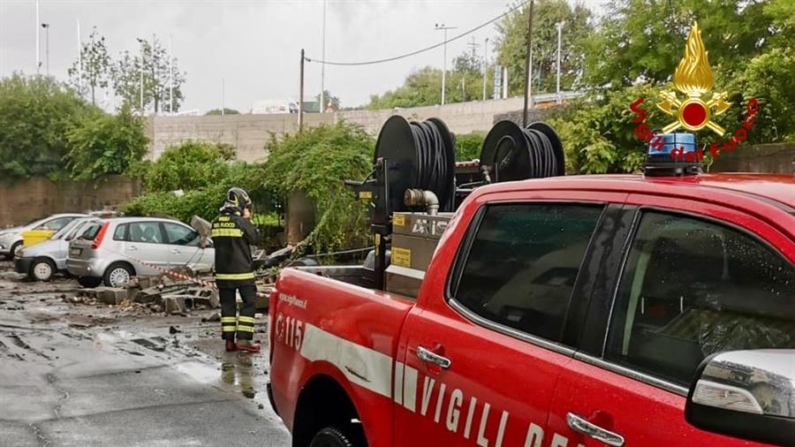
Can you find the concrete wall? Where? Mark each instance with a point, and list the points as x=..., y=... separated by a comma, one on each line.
x=250, y=133
x=28, y=200
x=773, y=158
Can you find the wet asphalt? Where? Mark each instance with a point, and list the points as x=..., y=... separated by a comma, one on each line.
x=80, y=375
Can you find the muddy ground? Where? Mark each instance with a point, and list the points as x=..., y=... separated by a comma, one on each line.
x=78, y=374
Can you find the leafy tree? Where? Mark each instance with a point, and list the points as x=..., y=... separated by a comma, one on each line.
x=92, y=70
x=424, y=87
x=191, y=165
x=218, y=112
x=512, y=45
x=153, y=64
x=316, y=162
x=106, y=144
x=631, y=46
x=36, y=115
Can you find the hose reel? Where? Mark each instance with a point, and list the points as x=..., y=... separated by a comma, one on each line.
x=511, y=153
x=415, y=158
x=422, y=156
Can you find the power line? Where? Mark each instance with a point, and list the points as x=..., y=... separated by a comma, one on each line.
x=414, y=53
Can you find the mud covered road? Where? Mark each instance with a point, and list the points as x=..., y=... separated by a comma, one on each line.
x=73, y=374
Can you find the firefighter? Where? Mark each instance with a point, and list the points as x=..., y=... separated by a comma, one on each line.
x=233, y=235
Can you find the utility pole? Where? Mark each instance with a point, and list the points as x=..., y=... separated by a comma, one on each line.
x=527, y=87
x=485, y=64
x=441, y=27
x=171, y=73
x=474, y=46
x=323, y=65
x=46, y=27
x=38, y=40
x=223, y=98
x=301, y=95
x=559, y=25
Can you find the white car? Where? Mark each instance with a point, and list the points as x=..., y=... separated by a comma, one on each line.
x=43, y=260
x=11, y=238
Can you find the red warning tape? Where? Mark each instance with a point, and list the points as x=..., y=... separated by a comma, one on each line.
x=177, y=275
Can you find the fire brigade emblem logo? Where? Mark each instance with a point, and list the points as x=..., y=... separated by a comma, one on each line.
x=693, y=78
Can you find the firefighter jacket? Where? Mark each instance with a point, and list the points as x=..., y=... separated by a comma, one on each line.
x=233, y=237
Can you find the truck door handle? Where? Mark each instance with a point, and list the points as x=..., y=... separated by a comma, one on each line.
x=581, y=425
x=426, y=355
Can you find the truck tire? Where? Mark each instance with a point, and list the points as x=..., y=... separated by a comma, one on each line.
x=332, y=437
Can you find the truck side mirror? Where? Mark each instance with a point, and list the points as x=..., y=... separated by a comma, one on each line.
x=746, y=394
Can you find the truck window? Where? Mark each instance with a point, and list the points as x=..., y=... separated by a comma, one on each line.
x=523, y=262
x=691, y=288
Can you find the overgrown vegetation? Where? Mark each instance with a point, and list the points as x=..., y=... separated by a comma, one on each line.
x=316, y=162
x=47, y=129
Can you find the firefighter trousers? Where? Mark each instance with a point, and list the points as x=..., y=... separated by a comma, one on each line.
x=231, y=323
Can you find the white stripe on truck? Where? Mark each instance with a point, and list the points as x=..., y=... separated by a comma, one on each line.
x=363, y=366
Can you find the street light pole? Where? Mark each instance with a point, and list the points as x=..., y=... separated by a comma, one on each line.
x=38, y=38
x=323, y=65
x=485, y=65
x=527, y=86
x=46, y=27
x=441, y=27
x=141, y=80
x=559, y=25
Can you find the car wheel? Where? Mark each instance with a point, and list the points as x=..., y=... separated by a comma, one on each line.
x=118, y=274
x=15, y=248
x=333, y=437
x=89, y=282
x=42, y=269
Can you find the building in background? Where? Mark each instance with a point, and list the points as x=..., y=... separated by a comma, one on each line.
x=268, y=106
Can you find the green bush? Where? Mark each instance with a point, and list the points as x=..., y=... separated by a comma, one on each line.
x=317, y=161
x=188, y=166
x=203, y=202
x=468, y=146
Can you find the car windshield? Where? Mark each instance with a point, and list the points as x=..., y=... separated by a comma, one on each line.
x=63, y=232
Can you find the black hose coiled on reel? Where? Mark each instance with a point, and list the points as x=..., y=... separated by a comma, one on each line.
x=423, y=157
x=433, y=168
x=512, y=153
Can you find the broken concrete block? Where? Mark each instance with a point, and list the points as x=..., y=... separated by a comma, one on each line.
x=174, y=304
x=110, y=295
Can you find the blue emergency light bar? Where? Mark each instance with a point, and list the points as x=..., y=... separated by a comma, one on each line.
x=671, y=160
x=683, y=140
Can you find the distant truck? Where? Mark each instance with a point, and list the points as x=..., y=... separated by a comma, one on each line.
x=618, y=310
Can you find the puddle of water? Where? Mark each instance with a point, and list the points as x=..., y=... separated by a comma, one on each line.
x=199, y=371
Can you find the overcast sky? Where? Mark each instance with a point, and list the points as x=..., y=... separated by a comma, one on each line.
x=254, y=46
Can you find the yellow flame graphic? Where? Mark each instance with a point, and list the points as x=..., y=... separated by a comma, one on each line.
x=693, y=75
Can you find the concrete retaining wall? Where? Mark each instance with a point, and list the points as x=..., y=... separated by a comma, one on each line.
x=32, y=199
x=773, y=158
x=250, y=133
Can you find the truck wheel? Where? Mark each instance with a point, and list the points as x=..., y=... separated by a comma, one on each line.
x=42, y=269
x=332, y=437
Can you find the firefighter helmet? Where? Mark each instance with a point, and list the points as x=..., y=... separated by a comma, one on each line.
x=237, y=198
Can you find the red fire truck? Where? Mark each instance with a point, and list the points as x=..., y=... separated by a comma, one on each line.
x=506, y=305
